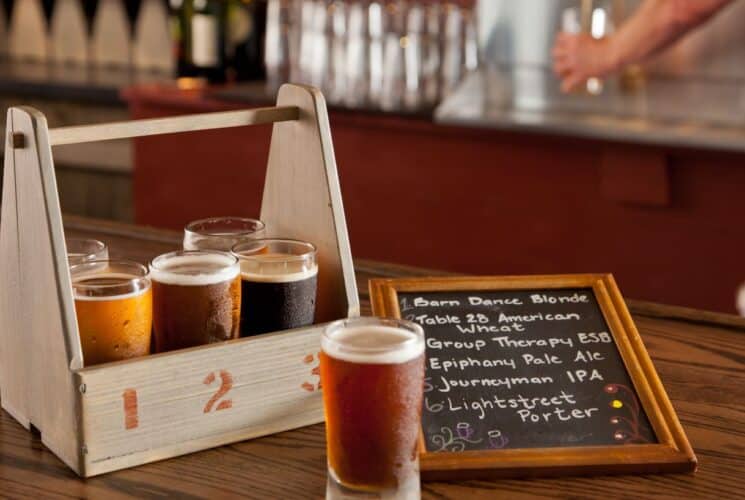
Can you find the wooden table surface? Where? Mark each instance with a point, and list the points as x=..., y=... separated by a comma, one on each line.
x=700, y=357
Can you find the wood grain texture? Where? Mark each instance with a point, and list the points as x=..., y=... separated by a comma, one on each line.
x=701, y=366
x=158, y=126
x=40, y=339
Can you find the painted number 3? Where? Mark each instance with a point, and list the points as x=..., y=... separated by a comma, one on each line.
x=131, y=410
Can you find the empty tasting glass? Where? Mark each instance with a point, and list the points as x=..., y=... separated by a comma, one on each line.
x=221, y=233
x=196, y=298
x=278, y=282
x=113, y=304
x=372, y=373
x=81, y=250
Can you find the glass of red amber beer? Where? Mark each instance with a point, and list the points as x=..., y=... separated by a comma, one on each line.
x=372, y=374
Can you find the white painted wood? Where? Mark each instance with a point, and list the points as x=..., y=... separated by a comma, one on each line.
x=28, y=38
x=302, y=198
x=273, y=379
x=153, y=47
x=69, y=33
x=14, y=370
x=274, y=388
x=156, y=126
x=110, y=43
x=41, y=337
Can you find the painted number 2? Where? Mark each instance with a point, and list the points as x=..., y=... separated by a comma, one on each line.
x=225, y=386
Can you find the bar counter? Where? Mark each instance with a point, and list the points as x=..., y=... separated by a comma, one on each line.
x=699, y=356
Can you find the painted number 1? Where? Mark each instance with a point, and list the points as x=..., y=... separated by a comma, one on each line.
x=131, y=410
x=225, y=385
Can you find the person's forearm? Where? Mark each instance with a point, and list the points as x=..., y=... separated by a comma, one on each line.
x=655, y=25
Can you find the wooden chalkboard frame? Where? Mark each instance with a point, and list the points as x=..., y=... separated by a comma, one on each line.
x=672, y=453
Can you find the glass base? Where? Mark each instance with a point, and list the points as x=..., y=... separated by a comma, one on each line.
x=335, y=490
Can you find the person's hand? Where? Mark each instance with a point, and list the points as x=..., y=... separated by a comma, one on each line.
x=578, y=57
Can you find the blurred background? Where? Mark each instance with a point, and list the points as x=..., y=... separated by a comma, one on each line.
x=456, y=148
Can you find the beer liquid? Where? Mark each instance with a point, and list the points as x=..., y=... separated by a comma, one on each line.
x=196, y=301
x=113, y=327
x=277, y=295
x=373, y=405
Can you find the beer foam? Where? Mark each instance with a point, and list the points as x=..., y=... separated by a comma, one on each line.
x=195, y=270
x=279, y=277
x=125, y=278
x=372, y=345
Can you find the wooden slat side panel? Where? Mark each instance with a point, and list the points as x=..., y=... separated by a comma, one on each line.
x=160, y=406
x=14, y=368
x=302, y=198
x=50, y=344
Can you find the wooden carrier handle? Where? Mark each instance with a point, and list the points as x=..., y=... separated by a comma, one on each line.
x=171, y=125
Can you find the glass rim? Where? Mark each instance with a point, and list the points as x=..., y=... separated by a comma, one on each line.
x=100, y=245
x=141, y=273
x=192, y=227
x=311, y=252
x=186, y=253
x=402, y=324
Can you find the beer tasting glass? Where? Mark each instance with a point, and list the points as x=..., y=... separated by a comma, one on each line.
x=114, y=309
x=278, y=283
x=81, y=250
x=372, y=373
x=196, y=298
x=221, y=233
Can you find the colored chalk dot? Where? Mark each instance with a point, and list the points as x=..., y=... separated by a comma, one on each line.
x=616, y=404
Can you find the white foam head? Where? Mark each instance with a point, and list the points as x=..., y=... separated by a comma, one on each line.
x=194, y=268
x=118, y=286
x=372, y=344
x=267, y=270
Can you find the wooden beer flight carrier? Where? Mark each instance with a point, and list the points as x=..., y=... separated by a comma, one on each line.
x=117, y=415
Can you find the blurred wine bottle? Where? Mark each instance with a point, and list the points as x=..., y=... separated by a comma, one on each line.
x=202, y=41
x=246, y=28
x=133, y=9
x=89, y=9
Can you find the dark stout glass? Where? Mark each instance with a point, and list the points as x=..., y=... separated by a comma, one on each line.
x=372, y=373
x=278, y=284
x=196, y=299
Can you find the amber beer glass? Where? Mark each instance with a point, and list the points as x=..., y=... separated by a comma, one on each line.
x=196, y=298
x=278, y=281
x=113, y=305
x=221, y=233
x=372, y=373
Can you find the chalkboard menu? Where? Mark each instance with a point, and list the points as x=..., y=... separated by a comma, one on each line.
x=532, y=363
x=522, y=369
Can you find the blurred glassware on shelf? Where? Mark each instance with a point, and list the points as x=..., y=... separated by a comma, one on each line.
x=394, y=55
x=357, y=70
x=452, y=58
x=376, y=30
x=277, y=44
x=412, y=45
x=431, y=54
x=338, y=60
x=394, y=46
